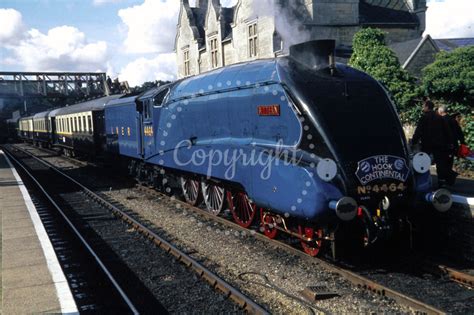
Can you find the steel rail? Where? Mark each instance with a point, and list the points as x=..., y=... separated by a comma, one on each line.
x=352, y=277
x=78, y=234
x=215, y=281
x=457, y=275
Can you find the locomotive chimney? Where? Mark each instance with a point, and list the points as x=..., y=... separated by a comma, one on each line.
x=316, y=54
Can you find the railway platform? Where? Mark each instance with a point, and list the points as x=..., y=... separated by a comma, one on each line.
x=32, y=280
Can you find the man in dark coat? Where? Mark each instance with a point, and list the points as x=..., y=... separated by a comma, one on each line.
x=458, y=134
x=456, y=138
x=436, y=138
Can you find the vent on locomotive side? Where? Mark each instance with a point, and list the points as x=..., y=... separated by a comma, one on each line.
x=316, y=54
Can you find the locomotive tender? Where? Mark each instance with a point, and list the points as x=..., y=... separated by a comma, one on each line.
x=297, y=142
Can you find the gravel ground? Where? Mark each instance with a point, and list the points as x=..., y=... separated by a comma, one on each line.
x=231, y=253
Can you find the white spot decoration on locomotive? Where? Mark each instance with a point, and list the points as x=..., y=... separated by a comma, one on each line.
x=346, y=208
x=326, y=169
x=421, y=162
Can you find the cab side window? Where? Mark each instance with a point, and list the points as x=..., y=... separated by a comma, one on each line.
x=160, y=98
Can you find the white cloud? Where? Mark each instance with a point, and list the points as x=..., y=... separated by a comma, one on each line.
x=450, y=19
x=63, y=48
x=163, y=67
x=11, y=26
x=224, y=3
x=101, y=2
x=151, y=26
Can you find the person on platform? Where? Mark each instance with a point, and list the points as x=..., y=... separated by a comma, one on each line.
x=457, y=137
x=435, y=137
x=458, y=134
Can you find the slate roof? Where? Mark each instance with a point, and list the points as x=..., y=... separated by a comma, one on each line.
x=200, y=16
x=227, y=15
x=449, y=44
x=403, y=50
x=377, y=15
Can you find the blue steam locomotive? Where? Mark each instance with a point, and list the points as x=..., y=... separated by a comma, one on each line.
x=296, y=144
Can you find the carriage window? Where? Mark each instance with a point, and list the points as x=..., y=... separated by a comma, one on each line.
x=161, y=97
x=69, y=124
x=84, y=123
x=90, y=123
x=75, y=124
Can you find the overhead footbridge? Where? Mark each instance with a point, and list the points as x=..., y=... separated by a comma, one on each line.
x=52, y=84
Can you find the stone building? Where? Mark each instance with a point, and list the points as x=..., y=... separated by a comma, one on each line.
x=210, y=36
x=415, y=54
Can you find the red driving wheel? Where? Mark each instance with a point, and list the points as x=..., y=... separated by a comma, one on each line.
x=242, y=208
x=312, y=247
x=268, y=223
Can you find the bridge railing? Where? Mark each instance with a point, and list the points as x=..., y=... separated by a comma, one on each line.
x=50, y=84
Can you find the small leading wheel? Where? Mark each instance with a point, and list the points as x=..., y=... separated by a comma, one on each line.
x=312, y=247
x=269, y=224
x=243, y=210
x=191, y=191
x=214, y=197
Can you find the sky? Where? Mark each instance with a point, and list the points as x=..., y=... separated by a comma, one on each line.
x=133, y=39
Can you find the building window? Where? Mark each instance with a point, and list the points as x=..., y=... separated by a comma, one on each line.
x=187, y=65
x=253, y=40
x=214, y=53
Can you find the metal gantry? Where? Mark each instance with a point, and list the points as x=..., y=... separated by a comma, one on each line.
x=53, y=84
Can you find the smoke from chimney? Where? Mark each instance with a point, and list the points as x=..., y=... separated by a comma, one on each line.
x=289, y=19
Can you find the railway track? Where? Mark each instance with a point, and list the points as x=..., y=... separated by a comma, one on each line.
x=96, y=207
x=354, y=277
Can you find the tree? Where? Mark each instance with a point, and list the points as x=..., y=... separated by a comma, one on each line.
x=371, y=55
x=451, y=77
x=450, y=80
x=147, y=86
